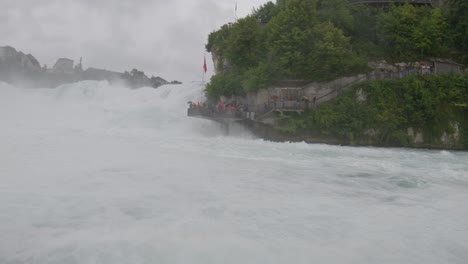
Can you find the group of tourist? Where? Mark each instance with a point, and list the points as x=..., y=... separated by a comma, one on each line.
x=193, y=105
x=221, y=107
x=232, y=109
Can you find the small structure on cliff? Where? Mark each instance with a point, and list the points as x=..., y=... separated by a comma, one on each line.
x=445, y=66
x=79, y=66
x=63, y=65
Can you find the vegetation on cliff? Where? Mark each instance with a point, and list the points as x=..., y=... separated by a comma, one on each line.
x=383, y=111
x=320, y=40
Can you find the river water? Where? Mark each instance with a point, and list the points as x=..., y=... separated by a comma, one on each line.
x=94, y=173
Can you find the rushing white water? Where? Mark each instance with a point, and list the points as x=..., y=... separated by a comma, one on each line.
x=91, y=173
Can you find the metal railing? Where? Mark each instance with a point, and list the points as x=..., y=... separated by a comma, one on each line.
x=212, y=113
x=335, y=92
x=415, y=2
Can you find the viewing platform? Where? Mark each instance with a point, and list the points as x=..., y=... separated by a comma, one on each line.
x=218, y=116
x=256, y=113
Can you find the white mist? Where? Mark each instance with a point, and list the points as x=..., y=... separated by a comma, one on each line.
x=92, y=173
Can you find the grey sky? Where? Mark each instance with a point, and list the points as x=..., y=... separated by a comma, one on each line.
x=162, y=38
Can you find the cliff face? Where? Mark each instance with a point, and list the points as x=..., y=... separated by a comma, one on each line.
x=10, y=58
x=19, y=68
x=220, y=63
x=423, y=111
x=16, y=65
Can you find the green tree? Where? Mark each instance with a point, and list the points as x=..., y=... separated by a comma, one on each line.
x=428, y=35
x=364, y=37
x=458, y=20
x=290, y=36
x=331, y=55
x=217, y=43
x=224, y=84
x=245, y=43
x=265, y=13
x=258, y=78
x=409, y=32
x=217, y=39
x=337, y=12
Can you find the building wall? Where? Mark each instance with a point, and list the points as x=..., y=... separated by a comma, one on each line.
x=63, y=65
x=442, y=67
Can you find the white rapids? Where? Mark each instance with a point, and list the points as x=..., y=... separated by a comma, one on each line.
x=95, y=173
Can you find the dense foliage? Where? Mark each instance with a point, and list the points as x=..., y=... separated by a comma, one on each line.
x=456, y=11
x=283, y=40
x=320, y=40
x=432, y=104
x=409, y=33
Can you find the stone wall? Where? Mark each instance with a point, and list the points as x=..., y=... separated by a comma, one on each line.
x=322, y=91
x=449, y=139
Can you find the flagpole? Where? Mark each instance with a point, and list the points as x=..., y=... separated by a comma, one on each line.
x=235, y=12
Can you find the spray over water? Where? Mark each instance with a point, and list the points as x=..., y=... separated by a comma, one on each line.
x=95, y=173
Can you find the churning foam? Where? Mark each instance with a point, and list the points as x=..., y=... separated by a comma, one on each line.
x=96, y=173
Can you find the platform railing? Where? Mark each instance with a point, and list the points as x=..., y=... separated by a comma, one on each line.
x=417, y=2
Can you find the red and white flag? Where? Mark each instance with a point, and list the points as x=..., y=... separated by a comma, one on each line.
x=204, y=65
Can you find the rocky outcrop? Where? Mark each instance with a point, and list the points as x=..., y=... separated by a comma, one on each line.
x=450, y=139
x=17, y=65
x=19, y=68
x=137, y=78
x=220, y=63
x=12, y=59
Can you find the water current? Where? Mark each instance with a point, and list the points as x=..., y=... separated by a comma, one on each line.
x=96, y=173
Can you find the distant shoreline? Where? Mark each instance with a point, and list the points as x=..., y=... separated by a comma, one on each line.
x=24, y=69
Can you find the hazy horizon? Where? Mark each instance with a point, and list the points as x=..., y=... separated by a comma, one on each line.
x=161, y=38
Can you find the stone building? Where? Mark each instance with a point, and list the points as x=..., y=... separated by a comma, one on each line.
x=63, y=65
x=440, y=66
